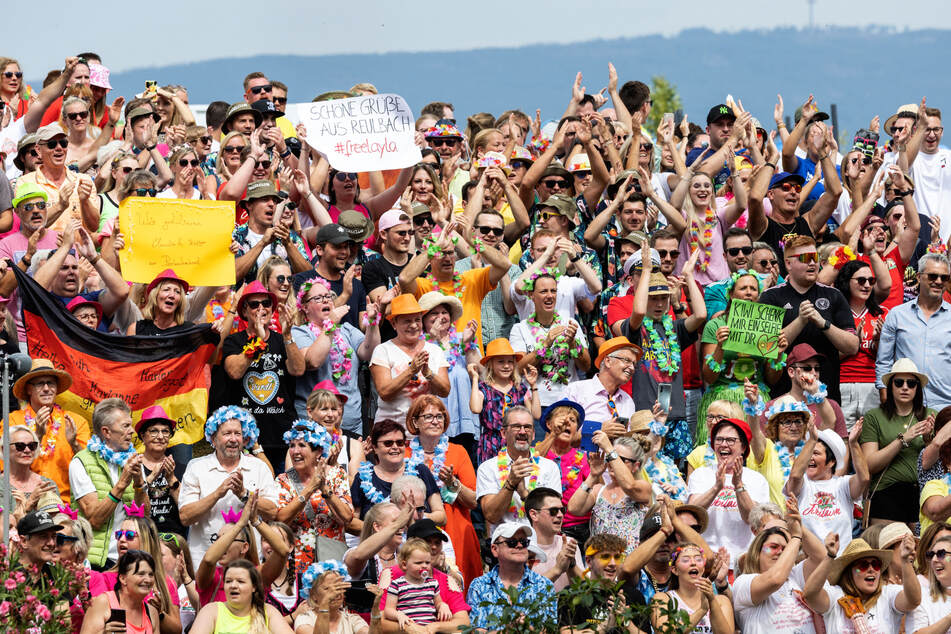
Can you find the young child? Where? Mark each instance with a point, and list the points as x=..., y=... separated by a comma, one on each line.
x=414, y=597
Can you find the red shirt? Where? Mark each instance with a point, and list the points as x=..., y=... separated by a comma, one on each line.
x=860, y=367
x=896, y=270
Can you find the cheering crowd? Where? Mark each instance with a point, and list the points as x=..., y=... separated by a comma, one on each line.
x=465, y=393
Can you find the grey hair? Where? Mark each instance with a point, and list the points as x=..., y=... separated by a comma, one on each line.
x=760, y=512
x=637, y=450
x=937, y=258
x=762, y=245
x=17, y=428
x=82, y=531
x=507, y=416
x=405, y=484
x=106, y=411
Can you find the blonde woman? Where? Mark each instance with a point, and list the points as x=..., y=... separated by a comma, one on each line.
x=228, y=161
x=13, y=90
x=275, y=274
x=188, y=183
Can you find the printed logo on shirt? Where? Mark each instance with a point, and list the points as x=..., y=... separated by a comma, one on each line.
x=261, y=386
x=726, y=499
x=823, y=506
x=822, y=303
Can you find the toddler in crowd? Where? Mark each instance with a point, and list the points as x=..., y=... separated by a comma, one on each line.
x=414, y=597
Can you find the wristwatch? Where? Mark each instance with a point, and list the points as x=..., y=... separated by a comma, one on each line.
x=739, y=489
x=826, y=325
x=611, y=456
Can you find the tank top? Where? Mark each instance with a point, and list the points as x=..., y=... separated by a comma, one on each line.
x=228, y=623
x=704, y=625
x=145, y=628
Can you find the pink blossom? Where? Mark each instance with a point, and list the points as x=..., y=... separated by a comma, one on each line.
x=20, y=577
x=43, y=612
x=10, y=584
x=5, y=608
x=54, y=592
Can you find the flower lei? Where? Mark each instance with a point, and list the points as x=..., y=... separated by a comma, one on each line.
x=552, y=271
x=734, y=278
x=819, y=396
x=118, y=458
x=706, y=244
x=52, y=430
x=455, y=350
x=456, y=284
x=554, y=358
x=419, y=456
x=778, y=363
x=366, y=480
x=443, y=130
x=503, y=465
x=751, y=409
x=313, y=433
x=786, y=458
x=317, y=569
x=249, y=428
x=670, y=476
x=667, y=357
x=574, y=471
x=341, y=353
x=713, y=364
x=841, y=256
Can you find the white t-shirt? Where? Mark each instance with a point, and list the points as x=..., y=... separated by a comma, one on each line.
x=928, y=611
x=389, y=355
x=9, y=137
x=826, y=507
x=523, y=340
x=726, y=528
x=488, y=482
x=80, y=484
x=170, y=193
x=780, y=613
x=570, y=291
x=932, y=176
x=882, y=618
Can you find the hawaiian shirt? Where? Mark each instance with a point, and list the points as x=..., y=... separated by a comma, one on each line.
x=489, y=589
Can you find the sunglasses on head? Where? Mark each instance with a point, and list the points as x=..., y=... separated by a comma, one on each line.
x=170, y=538
x=186, y=163
x=259, y=89
x=423, y=219
x=515, y=542
x=52, y=143
x=807, y=258
x=127, y=535
x=76, y=116
x=442, y=142
x=10, y=74
x=864, y=281
x=25, y=446
x=62, y=540
x=345, y=176
x=864, y=564
x=791, y=187
x=31, y=206
x=555, y=182
x=934, y=277
x=142, y=192
x=253, y=304
x=735, y=251
x=496, y=231
x=279, y=100
x=401, y=442
x=911, y=383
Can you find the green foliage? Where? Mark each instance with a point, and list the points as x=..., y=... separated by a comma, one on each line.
x=665, y=98
x=25, y=606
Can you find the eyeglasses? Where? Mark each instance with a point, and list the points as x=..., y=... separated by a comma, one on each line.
x=25, y=446
x=158, y=431
x=390, y=443
x=664, y=253
x=266, y=164
x=807, y=258
x=792, y=422
x=422, y=219
x=126, y=535
x=282, y=279
x=63, y=143
x=76, y=116
x=864, y=281
x=515, y=542
x=555, y=511
x=279, y=101
x=496, y=231
x=62, y=540
x=937, y=130
x=735, y=251
x=941, y=554
x=767, y=263
x=791, y=187
x=442, y=142
x=623, y=360
x=714, y=418
x=517, y=426
x=605, y=558
x=864, y=564
x=911, y=383
x=142, y=192
x=259, y=89
x=934, y=277
x=555, y=182
x=319, y=298
x=186, y=163
x=253, y=304
x=345, y=176
x=432, y=418
x=808, y=368
x=214, y=537
x=232, y=149
x=31, y=206
x=729, y=442
x=10, y=74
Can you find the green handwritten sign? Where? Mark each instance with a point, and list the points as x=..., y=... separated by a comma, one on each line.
x=754, y=329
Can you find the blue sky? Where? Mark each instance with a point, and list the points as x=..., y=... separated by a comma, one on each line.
x=175, y=31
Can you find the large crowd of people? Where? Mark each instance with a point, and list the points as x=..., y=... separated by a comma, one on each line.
x=458, y=394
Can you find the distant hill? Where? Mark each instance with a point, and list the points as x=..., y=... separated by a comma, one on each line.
x=863, y=71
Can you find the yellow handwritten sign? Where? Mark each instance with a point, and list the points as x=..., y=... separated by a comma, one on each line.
x=191, y=236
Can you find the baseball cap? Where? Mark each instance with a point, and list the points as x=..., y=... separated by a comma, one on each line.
x=28, y=190
x=782, y=177
x=266, y=108
x=563, y=205
x=536, y=549
x=37, y=522
x=22, y=146
x=801, y=352
x=261, y=189
x=48, y=132
x=141, y=111
x=392, y=218
x=507, y=529
x=424, y=529
x=358, y=226
x=332, y=233
x=819, y=116
x=720, y=111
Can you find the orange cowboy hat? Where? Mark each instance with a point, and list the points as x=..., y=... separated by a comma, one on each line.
x=404, y=304
x=617, y=343
x=500, y=348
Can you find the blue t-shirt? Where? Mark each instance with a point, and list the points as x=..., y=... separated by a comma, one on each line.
x=105, y=323
x=807, y=169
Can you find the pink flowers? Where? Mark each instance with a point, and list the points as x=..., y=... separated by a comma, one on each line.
x=10, y=584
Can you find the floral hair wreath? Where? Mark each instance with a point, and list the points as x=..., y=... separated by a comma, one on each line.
x=249, y=428
x=316, y=570
x=547, y=271
x=735, y=277
x=310, y=432
x=443, y=130
x=938, y=247
x=787, y=408
x=305, y=288
x=841, y=256
x=675, y=553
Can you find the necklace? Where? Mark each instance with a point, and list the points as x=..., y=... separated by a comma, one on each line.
x=667, y=350
x=786, y=457
x=456, y=284
x=706, y=243
x=418, y=456
x=52, y=428
x=556, y=357
x=503, y=465
x=341, y=353
x=118, y=458
x=454, y=349
x=366, y=480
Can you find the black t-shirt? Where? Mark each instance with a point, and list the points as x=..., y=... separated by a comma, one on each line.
x=266, y=389
x=163, y=505
x=358, y=297
x=147, y=327
x=381, y=273
x=775, y=231
x=832, y=305
x=648, y=375
x=362, y=504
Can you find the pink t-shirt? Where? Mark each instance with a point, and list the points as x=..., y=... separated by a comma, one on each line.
x=574, y=470
x=102, y=582
x=215, y=592
x=13, y=247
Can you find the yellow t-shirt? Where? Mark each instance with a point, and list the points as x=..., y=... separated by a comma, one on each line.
x=475, y=286
x=931, y=488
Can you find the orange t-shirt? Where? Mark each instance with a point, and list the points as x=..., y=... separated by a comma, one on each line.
x=55, y=465
x=475, y=286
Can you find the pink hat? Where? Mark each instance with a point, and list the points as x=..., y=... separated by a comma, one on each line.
x=392, y=218
x=4, y=300
x=328, y=385
x=79, y=301
x=254, y=288
x=155, y=413
x=99, y=76
x=167, y=274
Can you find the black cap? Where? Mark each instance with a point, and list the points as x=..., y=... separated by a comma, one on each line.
x=37, y=522
x=266, y=107
x=720, y=111
x=424, y=529
x=650, y=526
x=332, y=233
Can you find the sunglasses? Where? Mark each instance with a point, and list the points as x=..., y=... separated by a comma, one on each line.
x=864, y=281
x=496, y=231
x=203, y=139
x=390, y=443
x=605, y=558
x=142, y=192
x=807, y=258
x=581, y=173
x=934, y=277
x=253, y=304
x=735, y=251
x=664, y=253
x=266, y=164
x=912, y=383
x=76, y=116
x=402, y=233
x=515, y=542
x=186, y=163
x=647, y=147
x=791, y=187
x=233, y=149
x=865, y=564
x=941, y=553
x=766, y=263
x=170, y=538
x=62, y=540
x=259, y=89
x=807, y=368
x=282, y=279
x=10, y=75
x=63, y=143
x=423, y=219
x=345, y=176
x=442, y=142
x=127, y=535
x=25, y=446
x=555, y=511
x=553, y=183
x=31, y=206
x=896, y=128
x=126, y=170
x=279, y=100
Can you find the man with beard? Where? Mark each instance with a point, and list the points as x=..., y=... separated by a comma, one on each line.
x=381, y=276
x=562, y=562
x=31, y=206
x=333, y=254
x=504, y=482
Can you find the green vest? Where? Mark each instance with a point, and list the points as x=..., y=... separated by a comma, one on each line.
x=98, y=470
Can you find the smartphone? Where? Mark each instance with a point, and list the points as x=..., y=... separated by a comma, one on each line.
x=587, y=431
x=116, y=616
x=663, y=395
x=623, y=420
x=668, y=118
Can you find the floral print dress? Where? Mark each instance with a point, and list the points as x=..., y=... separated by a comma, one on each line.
x=493, y=408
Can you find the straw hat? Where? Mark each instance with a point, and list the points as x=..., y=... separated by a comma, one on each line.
x=658, y=285
x=404, y=304
x=857, y=549
x=905, y=366
x=909, y=110
x=432, y=299
x=892, y=533
x=38, y=368
x=500, y=348
x=639, y=422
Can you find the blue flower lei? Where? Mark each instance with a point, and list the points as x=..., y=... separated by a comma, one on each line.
x=751, y=409
x=317, y=569
x=249, y=428
x=734, y=278
x=667, y=357
x=419, y=456
x=785, y=458
x=311, y=432
x=118, y=458
x=671, y=476
x=366, y=480
x=819, y=396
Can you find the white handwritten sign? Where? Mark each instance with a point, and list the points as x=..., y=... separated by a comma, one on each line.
x=360, y=134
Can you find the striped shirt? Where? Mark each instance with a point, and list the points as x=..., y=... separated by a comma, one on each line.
x=415, y=600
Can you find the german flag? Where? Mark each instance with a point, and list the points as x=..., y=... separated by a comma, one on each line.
x=142, y=371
